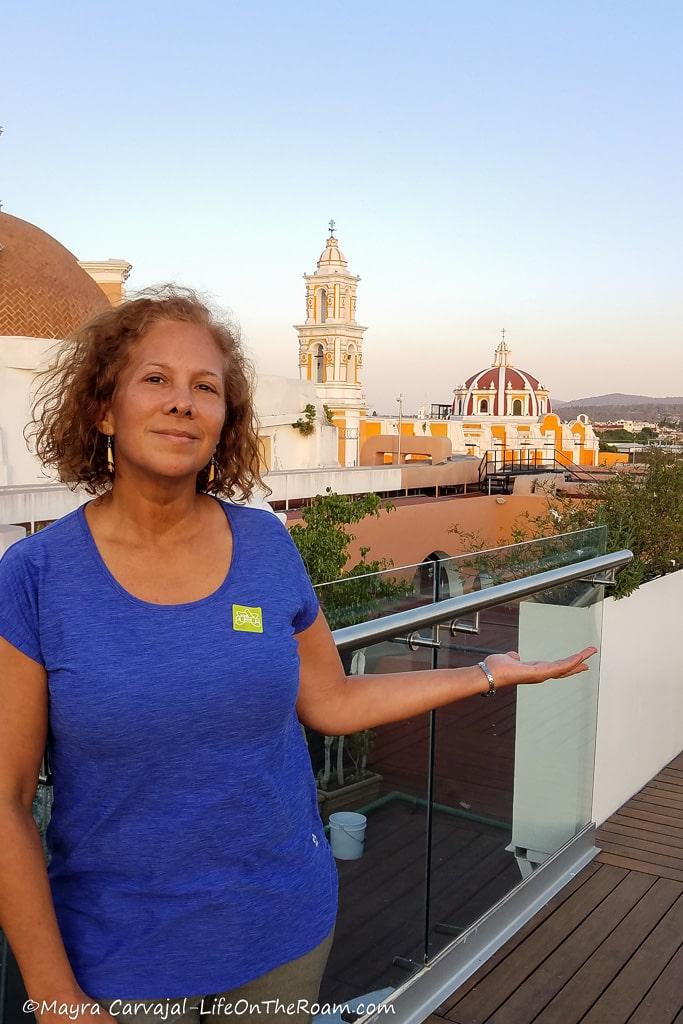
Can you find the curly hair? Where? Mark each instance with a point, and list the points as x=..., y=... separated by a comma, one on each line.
x=74, y=389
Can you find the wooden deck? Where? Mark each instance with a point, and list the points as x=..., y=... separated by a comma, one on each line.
x=608, y=949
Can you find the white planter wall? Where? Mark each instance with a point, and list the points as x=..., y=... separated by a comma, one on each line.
x=640, y=709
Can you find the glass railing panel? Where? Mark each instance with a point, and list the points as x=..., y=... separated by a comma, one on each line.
x=473, y=785
x=379, y=937
x=515, y=771
x=361, y=598
x=480, y=569
x=389, y=915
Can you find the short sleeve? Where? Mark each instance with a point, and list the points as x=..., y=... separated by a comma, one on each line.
x=309, y=604
x=19, y=603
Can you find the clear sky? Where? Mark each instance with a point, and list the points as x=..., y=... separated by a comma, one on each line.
x=488, y=165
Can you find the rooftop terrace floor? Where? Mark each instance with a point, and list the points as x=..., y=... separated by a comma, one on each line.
x=608, y=948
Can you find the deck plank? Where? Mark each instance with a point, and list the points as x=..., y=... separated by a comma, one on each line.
x=643, y=830
x=630, y=987
x=517, y=939
x=639, y=840
x=487, y=998
x=610, y=952
x=549, y=978
x=642, y=814
x=647, y=856
x=640, y=865
x=576, y=998
x=663, y=1001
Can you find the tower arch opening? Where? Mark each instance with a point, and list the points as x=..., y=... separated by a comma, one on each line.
x=318, y=364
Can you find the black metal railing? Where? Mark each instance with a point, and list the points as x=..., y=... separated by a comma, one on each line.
x=501, y=466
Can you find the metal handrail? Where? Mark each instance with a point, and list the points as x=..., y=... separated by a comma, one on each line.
x=500, y=462
x=363, y=634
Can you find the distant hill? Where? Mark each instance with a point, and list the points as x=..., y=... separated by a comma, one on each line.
x=622, y=407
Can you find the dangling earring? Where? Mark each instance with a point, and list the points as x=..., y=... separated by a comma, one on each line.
x=110, y=455
x=212, y=471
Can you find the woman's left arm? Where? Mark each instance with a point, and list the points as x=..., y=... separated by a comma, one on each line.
x=335, y=704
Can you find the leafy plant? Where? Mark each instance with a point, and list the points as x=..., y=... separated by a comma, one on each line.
x=356, y=596
x=328, y=412
x=642, y=510
x=306, y=425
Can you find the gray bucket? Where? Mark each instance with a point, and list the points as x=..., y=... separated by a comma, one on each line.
x=347, y=834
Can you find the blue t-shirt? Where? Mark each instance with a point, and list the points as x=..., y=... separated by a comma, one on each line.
x=187, y=852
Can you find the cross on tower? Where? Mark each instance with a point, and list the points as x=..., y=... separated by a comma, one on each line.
x=332, y=226
x=503, y=334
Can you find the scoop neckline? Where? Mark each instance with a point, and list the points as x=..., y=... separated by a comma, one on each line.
x=102, y=565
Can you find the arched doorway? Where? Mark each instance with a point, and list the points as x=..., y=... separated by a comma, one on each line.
x=450, y=580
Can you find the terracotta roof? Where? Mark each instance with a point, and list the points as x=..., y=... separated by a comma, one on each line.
x=43, y=291
x=515, y=377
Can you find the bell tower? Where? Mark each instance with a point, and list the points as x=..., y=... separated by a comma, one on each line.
x=331, y=345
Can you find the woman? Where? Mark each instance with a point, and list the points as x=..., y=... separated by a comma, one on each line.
x=180, y=643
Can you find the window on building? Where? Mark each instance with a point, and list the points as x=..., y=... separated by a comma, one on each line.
x=517, y=407
x=322, y=306
x=484, y=405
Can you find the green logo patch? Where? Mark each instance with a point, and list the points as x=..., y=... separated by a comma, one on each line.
x=249, y=620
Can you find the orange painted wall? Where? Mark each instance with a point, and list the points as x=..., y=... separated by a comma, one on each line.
x=411, y=531
x=612, y=458
x=368, y=430
x=439, y=430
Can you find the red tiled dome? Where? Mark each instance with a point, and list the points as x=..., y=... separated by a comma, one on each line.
x=499, y=381
x=43, y=291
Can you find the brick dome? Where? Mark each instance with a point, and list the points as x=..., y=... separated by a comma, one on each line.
x=43, y=291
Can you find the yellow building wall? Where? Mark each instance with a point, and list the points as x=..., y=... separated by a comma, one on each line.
x=439, y=429
x=341, y=443
x=113, y=290
x=368, y=430
x=552, y=422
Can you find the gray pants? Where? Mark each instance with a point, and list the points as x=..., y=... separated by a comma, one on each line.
x=295, y=986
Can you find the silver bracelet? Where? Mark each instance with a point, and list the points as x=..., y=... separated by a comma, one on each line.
x=491, y=692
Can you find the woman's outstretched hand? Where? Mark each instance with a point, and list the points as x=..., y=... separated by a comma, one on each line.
x=509, y=669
